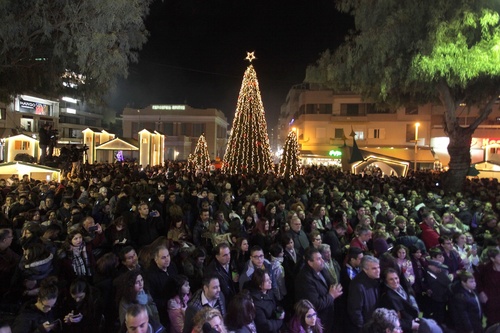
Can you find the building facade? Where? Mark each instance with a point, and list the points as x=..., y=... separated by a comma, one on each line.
x=69, y=116
x=182, y=125
x=324, y=120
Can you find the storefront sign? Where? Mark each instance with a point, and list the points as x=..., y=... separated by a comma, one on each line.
x=34, y=107
x=335, y=153
x=168, y=107
x=478, y=143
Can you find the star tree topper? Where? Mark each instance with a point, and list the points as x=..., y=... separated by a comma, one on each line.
x=250, y=56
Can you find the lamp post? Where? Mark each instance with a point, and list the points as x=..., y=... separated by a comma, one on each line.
x=417, y=125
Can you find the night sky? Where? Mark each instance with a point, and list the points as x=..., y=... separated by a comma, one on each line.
x=196, y=50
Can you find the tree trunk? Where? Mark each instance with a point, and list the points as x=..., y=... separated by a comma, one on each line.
x=459, y=151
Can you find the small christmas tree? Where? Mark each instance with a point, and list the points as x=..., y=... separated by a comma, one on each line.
x=248, y=149
x=200, y=159
x=289, y=165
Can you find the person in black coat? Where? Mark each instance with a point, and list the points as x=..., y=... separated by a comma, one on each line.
x=464, y=305
x=333, y=238
x=222, y=268
x=268, y=316
x=364, y=293
x=44, y=141
x=81, y=309
x=147, y=227
x=41, y=316
x=395, y=297
x=314, y=284
x=160, y=274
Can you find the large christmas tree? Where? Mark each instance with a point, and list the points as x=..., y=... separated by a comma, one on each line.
x=289, y=165
x=200, y=159
x=248, y=149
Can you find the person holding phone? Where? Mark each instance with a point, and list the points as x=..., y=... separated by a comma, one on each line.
x=80, y=308
x=40, y=316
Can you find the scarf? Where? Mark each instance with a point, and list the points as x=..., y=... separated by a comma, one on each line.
x=278, y=259
x=142, y=297
x=80, y=261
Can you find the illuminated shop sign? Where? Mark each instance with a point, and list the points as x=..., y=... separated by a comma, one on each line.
x=34, y=107
x=168, y=107
x=479, y=143
x=335, y=153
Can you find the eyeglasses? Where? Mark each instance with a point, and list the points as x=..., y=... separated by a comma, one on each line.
x=317, y=239
x=312, y=315
x=258, y=257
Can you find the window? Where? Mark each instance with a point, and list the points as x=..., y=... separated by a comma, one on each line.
x=411, y=110
x=198, y=129
x=90, y=122
x=339, y=133
x=376, y=133
x=73, y=133
x=135, y=128
x=353, y=109
x=360, y=135
x=69, y=120
x=410, y=132
x=168, y=129
x=184, y=129
x=316, y=109
x=373, y=109
x=21, y=145
x=221, y=132
x=349, y=109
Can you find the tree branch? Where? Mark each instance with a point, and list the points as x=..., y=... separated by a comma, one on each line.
x=486, y=111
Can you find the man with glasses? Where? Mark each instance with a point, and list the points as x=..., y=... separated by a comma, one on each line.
x=257, y=261
x=451, y=257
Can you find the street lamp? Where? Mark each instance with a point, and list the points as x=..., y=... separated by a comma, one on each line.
x=417, y=125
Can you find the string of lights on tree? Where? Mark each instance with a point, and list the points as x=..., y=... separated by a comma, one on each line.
x=248, y=149
x=289, y=165
x=200, y=159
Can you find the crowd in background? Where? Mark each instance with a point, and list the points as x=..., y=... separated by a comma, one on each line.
x=127, y=249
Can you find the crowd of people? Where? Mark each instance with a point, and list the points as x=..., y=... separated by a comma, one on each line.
x=164, y=249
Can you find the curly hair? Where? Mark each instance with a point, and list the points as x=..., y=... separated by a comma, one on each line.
x=128, y=287
x=383, y=319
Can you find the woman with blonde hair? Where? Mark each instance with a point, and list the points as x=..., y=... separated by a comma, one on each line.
x=305, y=319
x=210, y=316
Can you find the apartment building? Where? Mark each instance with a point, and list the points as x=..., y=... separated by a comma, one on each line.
x=182, y=125
x=325, y=120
